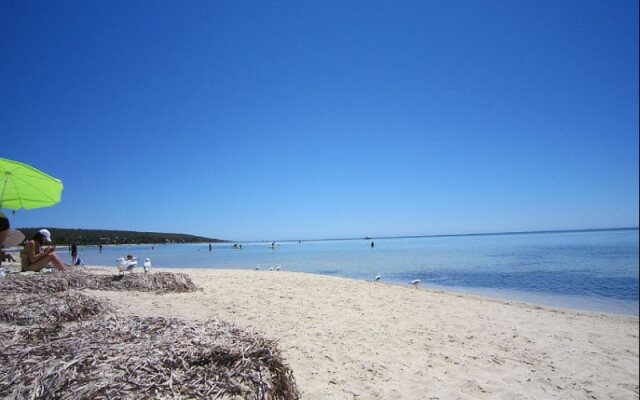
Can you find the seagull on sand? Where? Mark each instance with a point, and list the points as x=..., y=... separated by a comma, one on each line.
x=147, y=264
x=120, y=261
x=378, y=277
x=126, y=265
x=258, y=267
x=415, y=282
x=278, y=267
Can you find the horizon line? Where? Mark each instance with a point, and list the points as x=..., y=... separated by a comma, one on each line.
x=456, y=234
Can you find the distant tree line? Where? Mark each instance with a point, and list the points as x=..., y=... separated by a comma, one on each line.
x=63, y=236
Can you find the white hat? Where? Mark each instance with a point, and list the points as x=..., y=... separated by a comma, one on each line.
x=46, y=234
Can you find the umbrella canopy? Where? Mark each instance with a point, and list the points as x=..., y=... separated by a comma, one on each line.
x=24, y=187
x=13, y=238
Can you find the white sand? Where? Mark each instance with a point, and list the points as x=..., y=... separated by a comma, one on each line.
x=347, y=339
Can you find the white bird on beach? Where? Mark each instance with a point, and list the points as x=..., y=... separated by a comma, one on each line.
x=278, y=267
x=415, y=282
x=121, y=264
x=258, y=268
x=378, y=277
x=126, y=265
x=147, y=265
x=270, y=268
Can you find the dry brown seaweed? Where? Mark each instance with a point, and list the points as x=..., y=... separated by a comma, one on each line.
x=125, y=358
x=159, y=282
x=136, y=358
x=49, y=308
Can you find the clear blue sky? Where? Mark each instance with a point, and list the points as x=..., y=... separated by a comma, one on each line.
x=308, y=119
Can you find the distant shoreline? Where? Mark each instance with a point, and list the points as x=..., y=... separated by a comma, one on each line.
x=97, y=237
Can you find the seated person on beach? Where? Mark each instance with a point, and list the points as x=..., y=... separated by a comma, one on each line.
x=34, y=258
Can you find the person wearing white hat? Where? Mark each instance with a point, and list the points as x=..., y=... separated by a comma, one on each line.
x=34, y=258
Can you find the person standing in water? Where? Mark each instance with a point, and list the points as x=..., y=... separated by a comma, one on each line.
x=74, y=254
x=372, y=245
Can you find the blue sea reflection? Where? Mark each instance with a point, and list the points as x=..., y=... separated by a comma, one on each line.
x=598, y=267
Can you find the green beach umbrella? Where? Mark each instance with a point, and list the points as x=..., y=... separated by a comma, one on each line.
x=24, y=187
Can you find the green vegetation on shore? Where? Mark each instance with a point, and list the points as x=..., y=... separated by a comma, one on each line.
x=64, y=236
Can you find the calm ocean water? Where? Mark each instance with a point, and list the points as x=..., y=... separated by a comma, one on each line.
x=589, y=270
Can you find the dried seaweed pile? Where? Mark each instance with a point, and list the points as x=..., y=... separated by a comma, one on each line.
x=55, y=308
x=159, y=282
x=41, y=283
x=64, y=352
x=139, y=358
